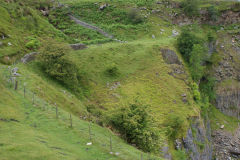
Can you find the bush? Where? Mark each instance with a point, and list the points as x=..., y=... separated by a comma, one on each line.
x=112, y=70
x=134, y=16
x=212, y=13
x=58, y=66
x=135, y=124
x=196, y=93
x=190, y=7
x=33, y=43
x=174, y=124
x=195, y=63
x=185, y=43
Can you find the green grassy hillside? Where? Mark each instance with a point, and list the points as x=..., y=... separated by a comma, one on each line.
x=110, y=78
x=32, y=131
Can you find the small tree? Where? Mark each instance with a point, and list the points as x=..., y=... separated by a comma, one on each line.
x=185, y=43
x=57, y=65
x=135, y=124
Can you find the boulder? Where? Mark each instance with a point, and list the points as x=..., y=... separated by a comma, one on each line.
x=103, y=6
x=78, y=46
x=175, y=33
x=29, y=57
x=170, y=57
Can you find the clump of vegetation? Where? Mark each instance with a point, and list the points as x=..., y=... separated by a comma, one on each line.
x=33, y=43
x=134, y=16
x=196, y=93
x=196, y=59
x=174, y=124
x=213, y=13
x=135, y=125
x=185, y=43
x=58, y=66
x=112, y=70
x=194, y=53
x=190, y=7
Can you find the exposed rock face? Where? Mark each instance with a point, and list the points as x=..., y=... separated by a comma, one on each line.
x=226, y=145
x=29, y=57
x=170, y=57
x=228, y=101
x=78, y=46
x=198, y=141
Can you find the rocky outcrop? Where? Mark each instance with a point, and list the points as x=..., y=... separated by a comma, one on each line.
x=197, y=142
x=29, y=57
x=170, y=57
x=228, y=101
x=226, y=145
x=78, y=46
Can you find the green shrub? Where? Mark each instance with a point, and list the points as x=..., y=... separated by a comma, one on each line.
x=185, y=43
x=112, y=70
x=33, y=43
x=212, y=13
x=190, y=7
x=196, y=93
x=135, y=124
x=207, y=87
x=58, y=66
x=174, y=124
x=134, y=16
x=195, y=63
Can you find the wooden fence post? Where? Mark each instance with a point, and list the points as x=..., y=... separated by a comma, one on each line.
x=33, y=98
x=24, y=90
x=56, y=111
x=110, y=143
x=71, y=121
x=89, y=132
x=16, y=85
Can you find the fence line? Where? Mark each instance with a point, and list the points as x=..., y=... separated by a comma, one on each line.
x=45, y=107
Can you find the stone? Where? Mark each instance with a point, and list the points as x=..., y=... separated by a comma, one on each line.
x=29, y=57
x=78, y=46
x=45, y=13
x=222, y=126
x=117, y=153
x=89, y=143
x=175, y=33
x=153, y=36
x=143, y=8
x=170, y=57
x=184, y=95
x=103, y=6
x=178, y=144
x=9, y=43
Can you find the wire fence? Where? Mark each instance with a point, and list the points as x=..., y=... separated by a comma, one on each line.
x=17, y=82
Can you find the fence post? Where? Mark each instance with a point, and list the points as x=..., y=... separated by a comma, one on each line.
x=110, y=143
x=16, y=85
x=141, y=156
x=24, y=90
x=56, y=111
x=33, y=98
x=89, y=131
x=71, y=121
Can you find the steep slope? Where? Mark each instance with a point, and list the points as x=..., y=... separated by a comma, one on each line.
x=30, y=130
